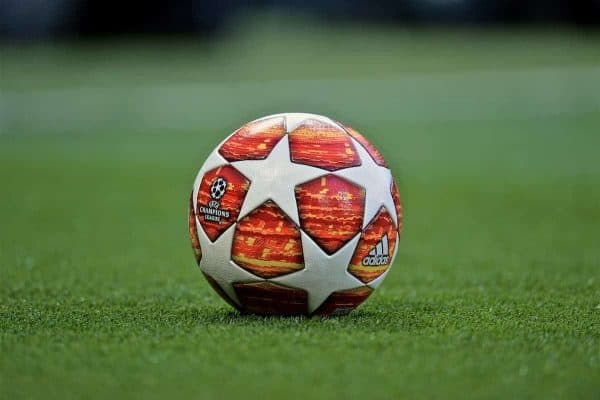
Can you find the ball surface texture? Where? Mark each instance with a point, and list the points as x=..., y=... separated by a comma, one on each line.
x=295, y=214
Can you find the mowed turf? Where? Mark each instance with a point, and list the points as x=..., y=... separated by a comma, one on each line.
x=495, y=292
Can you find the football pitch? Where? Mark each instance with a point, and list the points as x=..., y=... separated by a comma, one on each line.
x=493, y=138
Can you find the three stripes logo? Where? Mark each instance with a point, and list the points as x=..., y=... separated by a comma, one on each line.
x=379, y=255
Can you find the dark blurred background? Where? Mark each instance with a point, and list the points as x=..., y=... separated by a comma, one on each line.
x=44, y=19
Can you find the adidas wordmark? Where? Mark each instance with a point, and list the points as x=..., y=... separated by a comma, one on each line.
x=379, y=255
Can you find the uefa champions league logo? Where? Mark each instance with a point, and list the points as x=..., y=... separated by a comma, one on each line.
x=213, y=212
x=217, y=191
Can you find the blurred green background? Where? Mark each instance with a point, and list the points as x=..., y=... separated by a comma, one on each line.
x=493, y=136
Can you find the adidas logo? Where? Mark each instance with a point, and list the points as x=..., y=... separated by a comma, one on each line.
x=379, y=255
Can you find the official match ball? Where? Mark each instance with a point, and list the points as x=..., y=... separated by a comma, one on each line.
x=295, y=214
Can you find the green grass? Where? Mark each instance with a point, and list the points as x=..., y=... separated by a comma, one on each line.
x=495, y=293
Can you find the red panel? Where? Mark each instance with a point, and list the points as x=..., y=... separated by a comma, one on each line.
x=331, y=211
x=216, y=214
x=267, y=243
x=266, y=298
x=254, y=141
x=342, y=303
x=398, y=203
x=322, y=145
x=194, y=232
x=375, y=249
x=377, y=157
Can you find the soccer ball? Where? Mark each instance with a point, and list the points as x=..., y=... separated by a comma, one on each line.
x=295, y=214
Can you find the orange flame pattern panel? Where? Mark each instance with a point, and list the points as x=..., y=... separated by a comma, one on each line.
x=373, y=152
x=267, y=298
x=398, y=203
x=194, y=231
x=254, y=141
x=374, y=252
x=215, y=220
x=267, y=243
x=342, y=303
x=331, y=211
x=322, y=145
